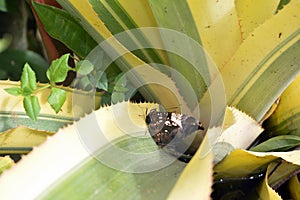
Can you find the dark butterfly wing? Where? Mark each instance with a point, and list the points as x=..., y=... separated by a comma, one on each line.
x=190, y=124
x=156, y=121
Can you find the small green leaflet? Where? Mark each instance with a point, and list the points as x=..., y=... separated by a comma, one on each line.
x=278, y=143
x=57, y=98
x=32, y=107
x=58, y=69
x=16, y=91
x=28, y=80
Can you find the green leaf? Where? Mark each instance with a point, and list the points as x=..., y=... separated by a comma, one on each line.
x=28, y=80
x=279, y=143
x=84, y=67
x=71, y=33
x=117, y=19
x=32, y=107
x=57, y=98
x=294, y=186
x=188, y=54
x=285, y=119
x=16, y=91
x=58, y=69
x=281, y=172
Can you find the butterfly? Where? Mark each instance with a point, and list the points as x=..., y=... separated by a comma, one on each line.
x=169, y=129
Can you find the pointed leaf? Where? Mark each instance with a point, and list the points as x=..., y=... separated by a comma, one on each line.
x=280, y=173
x=265, y=191
x=195, y=182
x=70, y=33
x=57, y=98
x=32, y=107
x=16, y=91
x=279, y=143
x=240, y=163
x=28, y=80
x=58, y=69
x=294, y=186
x=238, y=131
x=190, y=53
x=117, y=20
x=285, y=119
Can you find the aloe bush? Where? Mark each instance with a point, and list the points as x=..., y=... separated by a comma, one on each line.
x=246, y=61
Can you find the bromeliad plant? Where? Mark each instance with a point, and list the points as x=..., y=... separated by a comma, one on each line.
x=255, y=46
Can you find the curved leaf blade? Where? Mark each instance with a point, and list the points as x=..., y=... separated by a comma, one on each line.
x=216, y=20
x=183, y=22
x=279, y=143
x=294, y=186
x=285, y=119
x=195, y=182
x=259, y=72
x=32, y=107
x=87, y=173
x=265, y=191
x=61, y=26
